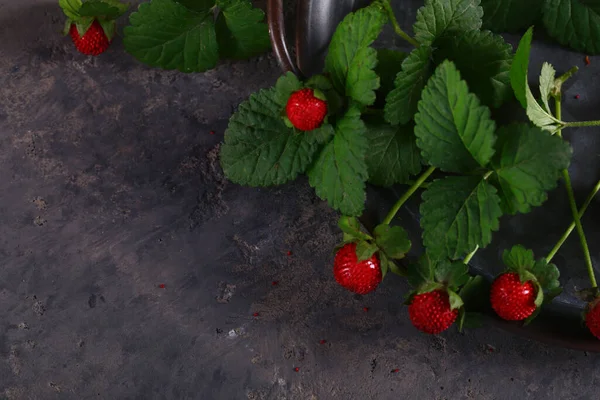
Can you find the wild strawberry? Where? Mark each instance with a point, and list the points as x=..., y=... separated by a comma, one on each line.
x=359, y=277
x=431, y=313
x=511, y=299
x=93, y=42
x=306, y=110
x=592, y=318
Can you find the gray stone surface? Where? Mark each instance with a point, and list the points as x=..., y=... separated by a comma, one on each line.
x=111, y=187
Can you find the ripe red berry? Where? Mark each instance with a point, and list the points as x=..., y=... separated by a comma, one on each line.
x=592, y=318
x=430, y=312
x=93, y=42
x=511, y=299
x=359, y=277
x=305, y=111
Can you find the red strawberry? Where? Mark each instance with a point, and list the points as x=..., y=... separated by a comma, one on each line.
x=305, y=110
x=592, y=318
x=511, y=299
x=431, y=313
x=93, y=42
x=359, y=277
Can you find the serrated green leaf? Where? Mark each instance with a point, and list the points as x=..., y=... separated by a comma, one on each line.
x=444, y=18
x=241, y=32
x=547, y=275
x=455, y=300
x=421, y=272
x=454, y=131
x=489, y=76
x=286, y=85
x=527, y=165
x=392, y=240
x=340, y=172
x=322, y=134
x=452, y=274
x=520, y=85
x=166, y=34
x=104, y=9
x=401, y=102
x=518, y=258
x=365, y=250
x=350, y=61
x=520, y=66
x=574, y=23
x=458, y=214
x=393, y=156
x=259, y=150
x=547, y=77
x=70, y=8
x=389, y=64
x=510, y=15
x=197, y=5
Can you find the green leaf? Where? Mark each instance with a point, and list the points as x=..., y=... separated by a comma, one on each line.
x=520, y=66
x=286, y=85
x=527, y=165
x=446, y=18
x=547, y=84
x=70, y=8
x=365, y=250
x=83, y=24
x=539, y=294
x=472, y=320
x=453, y=274
x=421, y=272
x=510, y=15
x=105, y=9
x=547, y=275
x=454, y=131
x=350, y=61
x=197, y=5
x=401, y=102
x=392, y=240
x=520, y=85
x=476, y=293
x=109, y=27
x=393, y=156
x=388, y=66
x=259, y=150
x=340, y=172
x=574, y=23
x=518, y=258
x=322, y=134
x=351, y=228
x=489, y=76
x=396, y=269
x=168, y=35
x=458, y=214
x=455, y=300
x=241, y=32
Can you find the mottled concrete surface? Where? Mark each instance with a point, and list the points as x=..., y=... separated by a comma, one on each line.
x=111, y=187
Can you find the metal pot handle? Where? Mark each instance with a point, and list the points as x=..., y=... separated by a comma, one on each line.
x=276, y=21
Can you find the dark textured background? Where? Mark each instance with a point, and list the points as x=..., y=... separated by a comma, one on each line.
x=111, y=186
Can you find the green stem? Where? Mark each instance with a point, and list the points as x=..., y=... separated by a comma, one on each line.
x=571, y=227
x=579, y=124
x=470, y=255
x=574, y=211
x=411, y=190
x=394, y=21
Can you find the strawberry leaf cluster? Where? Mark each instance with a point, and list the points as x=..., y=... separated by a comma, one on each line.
x=83, y=13
x=574, y=23
x=191, y=36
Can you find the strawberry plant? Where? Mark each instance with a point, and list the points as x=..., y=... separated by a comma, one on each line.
x=187, y=35
x=424, y=120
